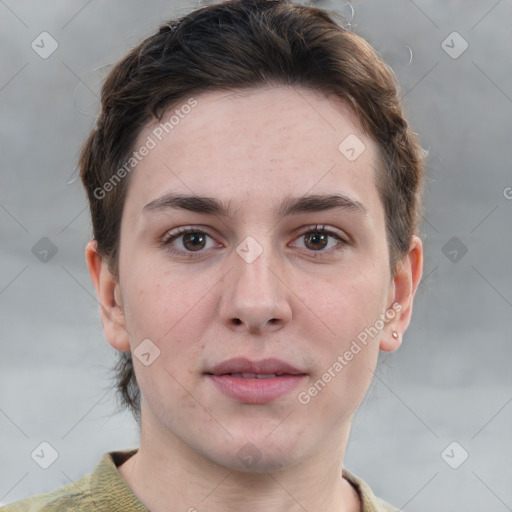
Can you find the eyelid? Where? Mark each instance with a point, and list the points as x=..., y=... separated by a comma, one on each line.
x=182, y=230
x=324, y=228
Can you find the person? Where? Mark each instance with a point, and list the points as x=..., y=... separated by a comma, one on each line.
x=255, y=193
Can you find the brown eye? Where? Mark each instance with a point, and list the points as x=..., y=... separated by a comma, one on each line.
x=194, y=241
x=316, y=241
x=320, y=241
x=183, y=241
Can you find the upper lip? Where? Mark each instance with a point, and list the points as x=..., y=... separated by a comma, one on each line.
x=244, y=365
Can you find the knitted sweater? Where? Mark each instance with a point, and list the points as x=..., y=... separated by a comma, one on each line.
x=104, y=490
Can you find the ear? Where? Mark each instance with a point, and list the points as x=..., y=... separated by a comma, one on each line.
x=404, y=286
x=109, y=297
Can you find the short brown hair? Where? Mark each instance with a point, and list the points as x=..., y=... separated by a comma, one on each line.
x=236, y=45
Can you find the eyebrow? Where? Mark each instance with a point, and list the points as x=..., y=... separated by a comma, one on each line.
x=290, y=206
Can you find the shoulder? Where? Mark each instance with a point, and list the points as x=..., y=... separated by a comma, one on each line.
x=103, y=489
x=370, y=503
x=74, y=496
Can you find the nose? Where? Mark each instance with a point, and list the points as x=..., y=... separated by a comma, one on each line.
x=255, y=296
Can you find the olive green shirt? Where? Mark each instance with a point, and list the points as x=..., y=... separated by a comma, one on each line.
x=104, y=490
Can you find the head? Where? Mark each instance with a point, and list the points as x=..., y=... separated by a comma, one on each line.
x=250, y=106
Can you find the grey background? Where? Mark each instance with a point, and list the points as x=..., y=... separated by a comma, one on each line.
x=450, y=380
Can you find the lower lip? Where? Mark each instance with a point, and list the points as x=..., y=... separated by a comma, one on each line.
x=256, y=391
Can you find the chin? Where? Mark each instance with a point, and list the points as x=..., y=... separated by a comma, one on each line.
x=253, y=454
x=251, y=459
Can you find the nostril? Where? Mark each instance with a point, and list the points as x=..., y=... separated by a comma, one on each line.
x=237, y=321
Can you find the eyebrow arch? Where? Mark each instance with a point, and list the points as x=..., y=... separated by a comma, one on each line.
x=290, y=206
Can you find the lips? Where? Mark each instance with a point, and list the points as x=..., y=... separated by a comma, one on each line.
x=255, y=375
x=255, y=382
x=245, y=368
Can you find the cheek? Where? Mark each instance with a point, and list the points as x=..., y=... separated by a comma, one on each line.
x=348, y=316
x=149, y=295
x=346, y=304
x=168, y=310
x=167, y=307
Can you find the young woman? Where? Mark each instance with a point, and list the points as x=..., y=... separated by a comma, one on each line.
x=255, y=197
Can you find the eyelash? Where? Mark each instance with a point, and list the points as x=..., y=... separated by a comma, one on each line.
x=174, y=235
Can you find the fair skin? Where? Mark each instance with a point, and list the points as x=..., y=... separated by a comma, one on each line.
x=300, y=301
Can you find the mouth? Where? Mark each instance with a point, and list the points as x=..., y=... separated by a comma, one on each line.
x=255, y=382
x=248, y=369
x=256, y=375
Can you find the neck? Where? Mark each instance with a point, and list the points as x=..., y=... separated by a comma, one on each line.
x=168, y=475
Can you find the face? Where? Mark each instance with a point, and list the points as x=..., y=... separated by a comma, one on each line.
x=253, y=256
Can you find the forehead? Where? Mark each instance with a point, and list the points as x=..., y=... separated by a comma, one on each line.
x=254, y=145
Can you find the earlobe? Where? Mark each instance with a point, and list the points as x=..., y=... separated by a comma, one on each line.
x=109, y=298
x=405, y=284
x=390, y=343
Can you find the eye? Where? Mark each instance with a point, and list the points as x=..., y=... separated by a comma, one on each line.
x=187, y=240
x=320, y=239
x=190, y=241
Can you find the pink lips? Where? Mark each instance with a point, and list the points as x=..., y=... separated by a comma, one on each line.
x=255, y=382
